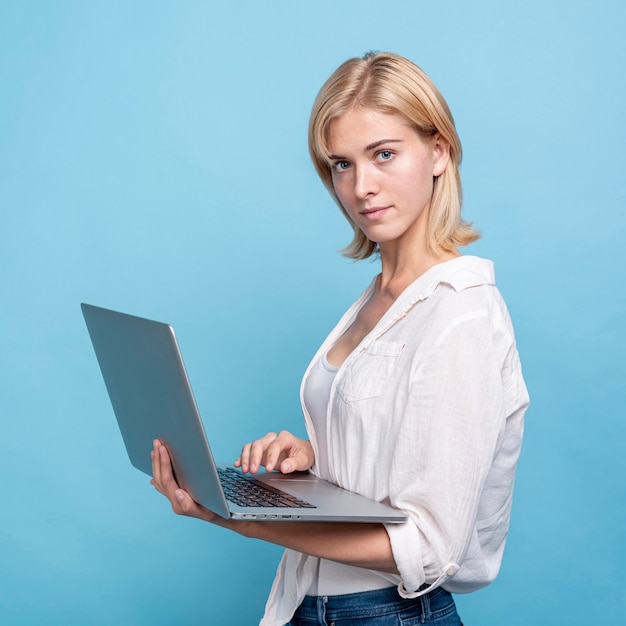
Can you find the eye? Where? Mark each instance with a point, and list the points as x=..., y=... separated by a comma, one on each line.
x=384, y=155
x=340, y=166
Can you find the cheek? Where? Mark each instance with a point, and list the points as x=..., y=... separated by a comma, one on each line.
x=419, y=181
x=342, y=195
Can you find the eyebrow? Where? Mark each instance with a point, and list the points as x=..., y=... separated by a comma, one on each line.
x=374, y=145
x=371, y=146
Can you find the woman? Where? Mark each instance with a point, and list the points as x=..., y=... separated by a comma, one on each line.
x=416, y=397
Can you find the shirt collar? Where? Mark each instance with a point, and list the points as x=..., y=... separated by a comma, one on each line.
x=460, y=273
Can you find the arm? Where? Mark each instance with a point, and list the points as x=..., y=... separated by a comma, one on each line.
x=447, y=471
x=362, y=545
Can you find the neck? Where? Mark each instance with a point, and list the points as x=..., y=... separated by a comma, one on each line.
x=399, y=268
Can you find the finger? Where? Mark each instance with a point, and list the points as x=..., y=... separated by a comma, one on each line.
x=294, y=463
x=288, y=465
x=184, y=504
x=258, y=450
x=243, y=460
x=156, y=464
x=280, y=450
x=163, y=480
x=300, y=456
x=167, y=475
x=274, y=454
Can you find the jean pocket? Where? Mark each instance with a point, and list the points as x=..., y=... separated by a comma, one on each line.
x=369, y=373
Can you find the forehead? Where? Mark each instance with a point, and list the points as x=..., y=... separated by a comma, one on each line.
x=359, y=127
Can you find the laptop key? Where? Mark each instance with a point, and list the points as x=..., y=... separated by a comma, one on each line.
x=247, y=492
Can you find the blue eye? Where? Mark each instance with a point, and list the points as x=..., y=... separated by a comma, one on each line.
x=385, y=155
x=341, y=166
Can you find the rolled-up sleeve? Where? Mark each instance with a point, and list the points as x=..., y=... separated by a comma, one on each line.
x=451, y=432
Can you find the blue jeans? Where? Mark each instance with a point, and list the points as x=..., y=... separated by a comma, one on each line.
x=383, y=607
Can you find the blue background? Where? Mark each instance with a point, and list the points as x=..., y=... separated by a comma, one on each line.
x=153, y=159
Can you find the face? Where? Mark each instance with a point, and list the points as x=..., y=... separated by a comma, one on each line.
x=382, y=172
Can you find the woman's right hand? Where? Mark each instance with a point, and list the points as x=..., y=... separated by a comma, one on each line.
x=282, y=451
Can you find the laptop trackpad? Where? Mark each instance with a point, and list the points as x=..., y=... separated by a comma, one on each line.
x=304, y=485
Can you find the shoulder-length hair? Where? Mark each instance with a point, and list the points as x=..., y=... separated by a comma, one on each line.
x=387, y=82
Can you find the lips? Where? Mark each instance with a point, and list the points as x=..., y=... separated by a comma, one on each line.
x=374, y=213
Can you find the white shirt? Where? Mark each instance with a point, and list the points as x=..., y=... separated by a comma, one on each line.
x=427, y=415
x=332, y=578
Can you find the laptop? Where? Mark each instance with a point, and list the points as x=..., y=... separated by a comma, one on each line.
x=145, y=377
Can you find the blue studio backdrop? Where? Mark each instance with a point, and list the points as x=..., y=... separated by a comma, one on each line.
x=153, y=159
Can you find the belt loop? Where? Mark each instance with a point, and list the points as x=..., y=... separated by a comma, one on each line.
x=321, y=609
x=426, y=613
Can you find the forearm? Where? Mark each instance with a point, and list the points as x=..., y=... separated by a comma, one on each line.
x=361, y=545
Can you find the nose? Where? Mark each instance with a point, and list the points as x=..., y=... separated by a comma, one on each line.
x=366, y=181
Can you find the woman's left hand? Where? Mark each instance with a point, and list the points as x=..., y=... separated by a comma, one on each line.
x=165, y=483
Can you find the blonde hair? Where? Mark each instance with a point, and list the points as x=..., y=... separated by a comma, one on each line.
x=392, y=84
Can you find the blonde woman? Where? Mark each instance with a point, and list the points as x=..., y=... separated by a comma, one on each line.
x=416, y=398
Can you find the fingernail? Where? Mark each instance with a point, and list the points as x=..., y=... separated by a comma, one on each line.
x=179, y=495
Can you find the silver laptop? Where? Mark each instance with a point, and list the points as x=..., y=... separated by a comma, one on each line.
x=152, y=399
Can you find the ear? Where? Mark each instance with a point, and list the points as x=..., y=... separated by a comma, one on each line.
x=441, y=154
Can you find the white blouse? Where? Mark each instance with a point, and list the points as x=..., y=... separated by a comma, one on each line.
x=427, y=415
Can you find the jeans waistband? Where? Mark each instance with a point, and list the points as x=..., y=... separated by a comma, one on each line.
x=371, y=603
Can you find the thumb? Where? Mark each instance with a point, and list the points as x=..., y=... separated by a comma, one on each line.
x=292, y=464
x=287, y=466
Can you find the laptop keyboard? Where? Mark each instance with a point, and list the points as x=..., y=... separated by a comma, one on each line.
x=246, y=491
